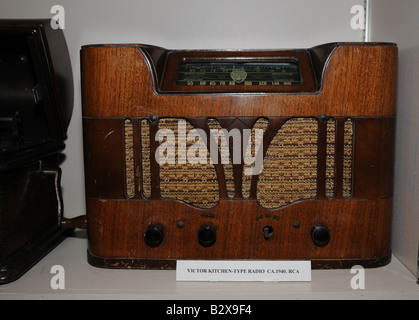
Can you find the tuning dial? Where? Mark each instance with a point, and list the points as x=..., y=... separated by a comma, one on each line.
x=206, y=236
x=320, y=235
x=153, y=236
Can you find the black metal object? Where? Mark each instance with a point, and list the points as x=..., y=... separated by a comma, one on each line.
x=36, y=101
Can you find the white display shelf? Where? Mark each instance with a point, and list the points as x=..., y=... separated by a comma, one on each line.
x=83, y=281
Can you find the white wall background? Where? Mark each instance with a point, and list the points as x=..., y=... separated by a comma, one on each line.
x=397, y=21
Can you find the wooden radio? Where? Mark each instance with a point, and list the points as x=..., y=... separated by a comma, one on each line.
x=36, y=102
x=195, y=154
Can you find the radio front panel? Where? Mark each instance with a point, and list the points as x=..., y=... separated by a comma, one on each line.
x=274, y=154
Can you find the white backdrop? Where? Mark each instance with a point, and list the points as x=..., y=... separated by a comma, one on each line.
x=397, y=21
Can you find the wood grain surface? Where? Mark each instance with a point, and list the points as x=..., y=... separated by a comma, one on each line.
x=136, y=82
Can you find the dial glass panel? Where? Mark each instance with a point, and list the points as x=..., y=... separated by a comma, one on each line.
x=231, y=73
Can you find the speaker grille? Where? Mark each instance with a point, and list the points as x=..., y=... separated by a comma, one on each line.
x=129, y=158
x=261, y=124
x=195, y=184
x=213, y=124
x=145, y=158
x=290, y=164
x=347, y=158
x=330, y=157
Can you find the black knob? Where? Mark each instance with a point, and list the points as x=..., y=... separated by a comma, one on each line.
x=268, y=231
x=206, y=236
x=153, y=236
x=320, y=235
